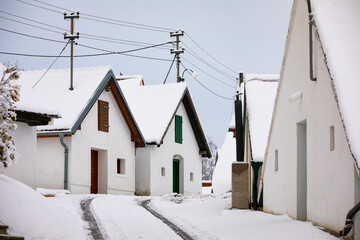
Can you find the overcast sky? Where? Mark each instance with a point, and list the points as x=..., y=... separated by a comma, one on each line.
x=243, y=35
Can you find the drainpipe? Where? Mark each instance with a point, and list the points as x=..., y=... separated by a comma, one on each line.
x=349, y=220
x=311, y=21
x=66, y=160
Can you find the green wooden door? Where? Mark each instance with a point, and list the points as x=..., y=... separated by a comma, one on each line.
x=176, y=176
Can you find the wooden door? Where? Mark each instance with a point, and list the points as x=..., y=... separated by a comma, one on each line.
x=176, y=176
x=94, y=172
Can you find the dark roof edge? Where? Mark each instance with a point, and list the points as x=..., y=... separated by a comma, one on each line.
x=195, y=124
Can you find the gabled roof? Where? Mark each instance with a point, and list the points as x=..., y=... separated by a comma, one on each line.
x=338, y=25
x=260, y=92
x=89, y=83
x=154, y=107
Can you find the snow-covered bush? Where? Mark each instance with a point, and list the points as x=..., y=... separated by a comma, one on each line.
x=9, y=94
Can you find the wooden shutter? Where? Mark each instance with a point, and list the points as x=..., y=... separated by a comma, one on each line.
x=178, y=129
x=103, y=116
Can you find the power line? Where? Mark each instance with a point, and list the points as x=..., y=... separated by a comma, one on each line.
x=169, y=69
x=209, y=54
x=208, y=73
x=28, y=24
x=209, y=64
x=31, y=36
x=220, y=96
x=102, y=19
x=34, y=5
x=51, y=64
x=107, y=52
x=110, y=19
x=31, y=20
x=84, y=35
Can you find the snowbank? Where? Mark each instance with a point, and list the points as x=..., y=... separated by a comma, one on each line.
x=29, y=214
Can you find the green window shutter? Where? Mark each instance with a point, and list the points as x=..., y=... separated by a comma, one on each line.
x=178, y=129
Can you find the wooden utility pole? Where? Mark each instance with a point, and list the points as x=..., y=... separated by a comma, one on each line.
x=177, y=51
x=71, y=38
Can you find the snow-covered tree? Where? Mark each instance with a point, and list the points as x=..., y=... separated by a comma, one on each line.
x=9, y=94
x=208, y=164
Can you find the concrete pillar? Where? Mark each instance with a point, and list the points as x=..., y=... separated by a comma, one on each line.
x=240, y=185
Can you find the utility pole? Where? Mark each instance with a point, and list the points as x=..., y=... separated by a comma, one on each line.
x=177, y=51
x=71, y=37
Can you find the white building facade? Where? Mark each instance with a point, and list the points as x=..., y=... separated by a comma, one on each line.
x=92, y=150
x=171, y=162
x=310, y=172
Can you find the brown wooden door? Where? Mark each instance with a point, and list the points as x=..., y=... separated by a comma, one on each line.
x=94, y=172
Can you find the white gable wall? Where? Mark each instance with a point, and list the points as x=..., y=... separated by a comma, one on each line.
x=24, y=168
x=330, y=174
x=111, y=145
x=163, y=157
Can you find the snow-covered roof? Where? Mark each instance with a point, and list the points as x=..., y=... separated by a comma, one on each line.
x=338, y=25
x=130, y=80
x=153, y=107
x=266, y=77
x=53, y=90
x=26, y=105
x=260, y=99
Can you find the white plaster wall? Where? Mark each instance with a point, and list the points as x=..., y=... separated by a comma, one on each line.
x=117, y=144
x=330, y=174
x=50, y=162
x=142, y=170
x=24, y=167
x=163, y=157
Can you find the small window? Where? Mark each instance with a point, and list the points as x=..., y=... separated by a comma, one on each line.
x=178, y=129
x=191, y=176
x=103, y=116
x=332, y=138
x=276, y=160
x=163, y=171
x=120, y=166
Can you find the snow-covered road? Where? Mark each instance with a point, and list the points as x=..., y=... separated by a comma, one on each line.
x=29, y=214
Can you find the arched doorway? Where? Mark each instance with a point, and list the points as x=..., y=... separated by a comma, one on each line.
x=178, y=174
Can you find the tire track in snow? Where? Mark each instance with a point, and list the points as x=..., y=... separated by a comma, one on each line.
x=90, y=219
x=177, y=230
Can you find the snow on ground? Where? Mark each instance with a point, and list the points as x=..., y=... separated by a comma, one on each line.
x=29, y=214
x=205, y=216
x=122, y=217
x=208, y=217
